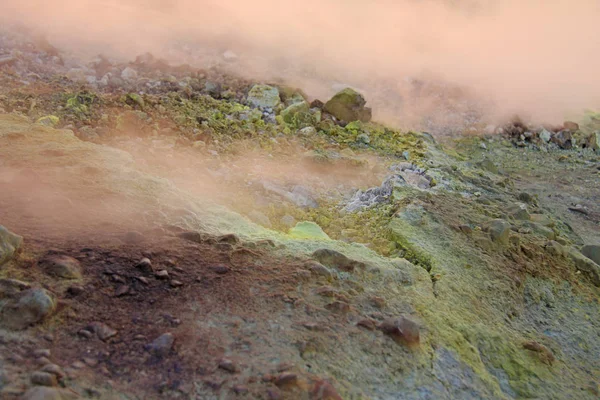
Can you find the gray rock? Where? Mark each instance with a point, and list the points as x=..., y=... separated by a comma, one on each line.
x=43, y=379
x=162, y=345
x=308, y=131
x=29, y=307
x=335, y=259
x=263, y=96
x=540, y=230
x=592, y=252
x=9, y=288
x=129, y=74
x=61, y=266
x=363, y=138
x=10, y=244
x=319, y=269
x=54, y=370
x=348, y=105
x=586, y=265
x=499, y=231
x=564, y=139
x=103, y=331
x=290, y=112
x=545, y=136
x=519, y=212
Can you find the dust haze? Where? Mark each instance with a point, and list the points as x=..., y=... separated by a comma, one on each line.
x=531, y=57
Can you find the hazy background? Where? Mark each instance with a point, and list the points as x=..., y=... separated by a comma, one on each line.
x=532, y=57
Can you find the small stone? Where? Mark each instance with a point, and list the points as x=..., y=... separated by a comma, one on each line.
x=12, y=287
x=145, y=265
x=319, y=269
x=30, y=307
x=162, y=274
x=75, y=290
x=286, y=379
x=335, y=259
x=367, y=323
x=103, y=331
x=545, y=354
x=220, y=269
x=363, y=138
x=499, y=231
x=42, y=353
x=227, y=365
x=54, y=369
x=162, y=345
x=274, y=394
x=78, y=365
x=240, y=389
x=545, y=136
x=378, y=301
x=192, y=236
x=229, y=238
x=143, y=280
x=43, y=361
x=263, y=96
x=122, y=290
x=85, y=333
x=91, y=362
x=323, y=390
x=348, y=105
x=129, y=74
x=174, y=283
x=10, y=244
x=401, y=329
x=43, y=379
x=61, y=266
x=592, y=252
x=338, y=306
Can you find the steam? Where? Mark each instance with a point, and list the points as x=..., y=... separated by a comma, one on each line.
x=533, y=57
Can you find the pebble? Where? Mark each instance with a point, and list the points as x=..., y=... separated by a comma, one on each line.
x=402, y=329
x=78, y=365
x=75, y=290
x=103, y=331
x=175, y=283
x=273, y=394
x=42, y=353
x=220, y=269
x=162, y=345
x=143, y=280
x=122, y=290
x=42, y=361
x=54, y=369
x=286, y=378
x=92, y=362
x=43, y=379
x=367, y=323
x=145, y=265
x=323, y=390
x=240, y=389
x=85, y=333
x=162, y=274
x=227, y=365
